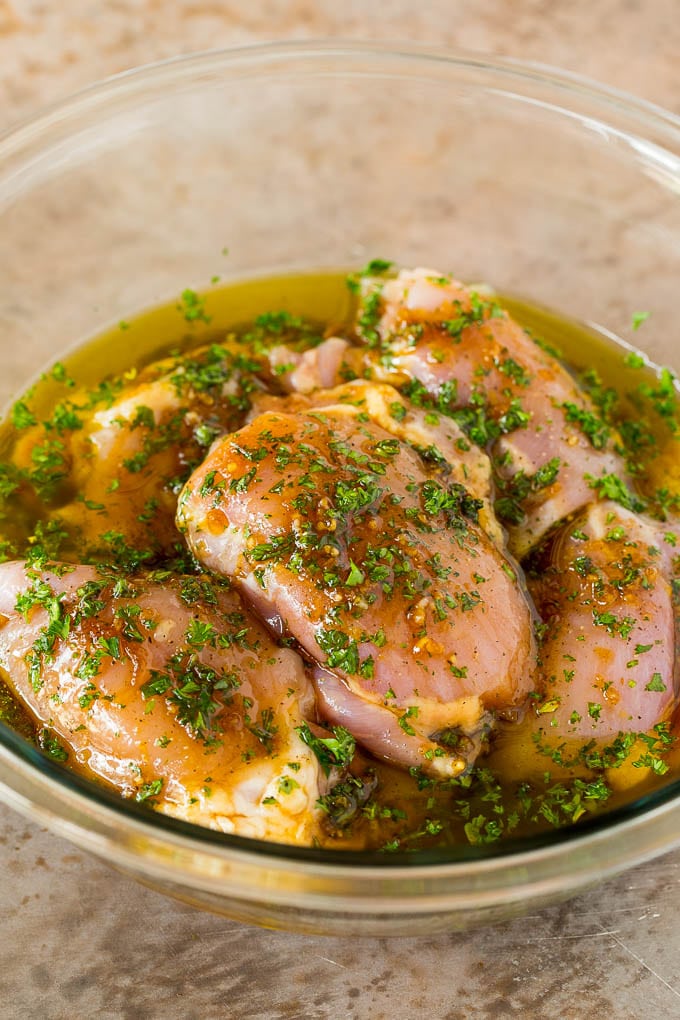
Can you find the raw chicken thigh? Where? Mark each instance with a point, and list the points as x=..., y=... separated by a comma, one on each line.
x=607, y=663
x=167, y=689
x=126, y=453
x=447, y=346
x=338, y=535
x=442, y=445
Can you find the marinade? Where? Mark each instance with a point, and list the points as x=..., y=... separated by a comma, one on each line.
x=354, y=441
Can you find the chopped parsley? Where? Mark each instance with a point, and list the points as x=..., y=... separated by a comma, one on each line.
x=639, y=318
x=332, y=752
x=612, y=487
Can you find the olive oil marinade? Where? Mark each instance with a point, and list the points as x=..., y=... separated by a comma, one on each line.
x=517, y=787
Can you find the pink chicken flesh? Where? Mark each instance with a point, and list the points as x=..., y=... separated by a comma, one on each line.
x=166, y=689
x=466, y=351
x=607, y=663
x=338, y=536
x=441, y=444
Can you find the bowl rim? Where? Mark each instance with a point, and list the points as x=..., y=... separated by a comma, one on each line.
x=110, y=807
x=33, y=136
x=183, y=67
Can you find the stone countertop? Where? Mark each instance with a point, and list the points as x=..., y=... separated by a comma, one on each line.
x=50, y=49
x=78, y=940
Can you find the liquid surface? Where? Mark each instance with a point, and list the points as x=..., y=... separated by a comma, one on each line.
x=516, y=783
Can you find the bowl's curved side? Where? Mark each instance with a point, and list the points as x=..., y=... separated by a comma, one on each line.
x=327, y=893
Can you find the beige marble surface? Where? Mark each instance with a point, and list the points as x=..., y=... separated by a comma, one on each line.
x=79, y=941
x=48, y=49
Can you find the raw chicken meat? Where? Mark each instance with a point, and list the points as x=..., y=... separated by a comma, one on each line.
x=338, y=536
x=129, y=449
x=446, y=344
x=608, y=658
x=442, y=445
x=167, y=689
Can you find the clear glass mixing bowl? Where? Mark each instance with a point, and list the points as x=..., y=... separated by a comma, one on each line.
x=321, y=155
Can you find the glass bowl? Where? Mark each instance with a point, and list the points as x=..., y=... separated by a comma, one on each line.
x=323, y=155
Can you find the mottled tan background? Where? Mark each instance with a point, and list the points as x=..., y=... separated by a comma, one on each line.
x=79, y=941
x=48, y=49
